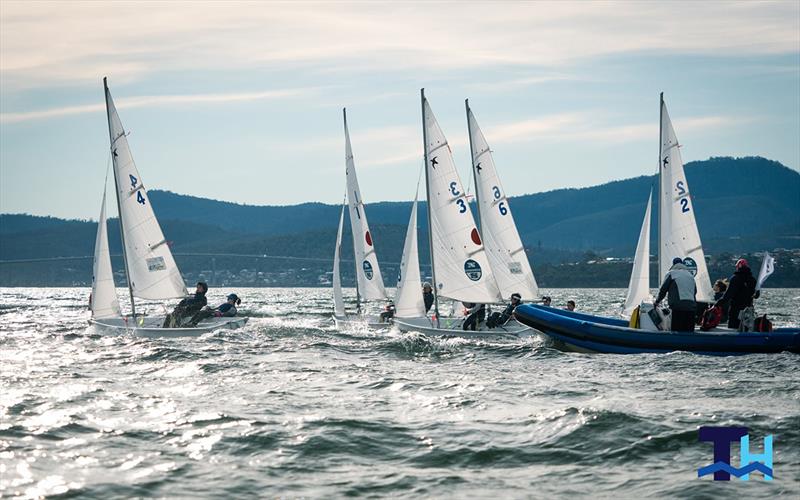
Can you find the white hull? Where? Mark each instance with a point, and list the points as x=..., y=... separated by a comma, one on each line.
x=355, y=321
x=151, y=327
x=454, y=327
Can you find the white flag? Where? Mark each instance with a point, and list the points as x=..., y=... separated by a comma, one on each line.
x=767, y=267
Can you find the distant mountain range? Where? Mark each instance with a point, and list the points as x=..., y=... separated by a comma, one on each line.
x=741, y=204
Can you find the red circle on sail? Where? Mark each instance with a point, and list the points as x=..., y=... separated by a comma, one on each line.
x=368, y=237
x=476, y=237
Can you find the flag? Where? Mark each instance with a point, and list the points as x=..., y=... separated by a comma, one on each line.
x=767, y=268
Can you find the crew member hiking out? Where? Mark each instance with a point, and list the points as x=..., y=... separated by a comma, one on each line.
x=188, y=306
x=680, y=289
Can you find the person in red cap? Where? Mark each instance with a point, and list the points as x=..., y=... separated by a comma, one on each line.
x=740, y=293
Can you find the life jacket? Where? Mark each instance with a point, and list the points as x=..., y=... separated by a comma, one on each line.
x=762, y=324
x=711, y=318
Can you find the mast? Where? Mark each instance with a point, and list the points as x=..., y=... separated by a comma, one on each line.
x=472, y=163
x=660, y=187
x=352, y=228
x=428, y=198
x=119, y=207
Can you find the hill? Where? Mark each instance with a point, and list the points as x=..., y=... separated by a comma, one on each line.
x=742, y=205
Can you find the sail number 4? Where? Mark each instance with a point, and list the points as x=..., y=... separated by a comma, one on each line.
x=139, y=195
x=681, y=192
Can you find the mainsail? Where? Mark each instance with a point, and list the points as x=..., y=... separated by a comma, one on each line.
x=408, y=298
x=639, y=285
x=338, y=300
x=368, y=273
x=507, y=256
x=152, y=272
x=460, y=267
x=104, y=294
x=678, y=235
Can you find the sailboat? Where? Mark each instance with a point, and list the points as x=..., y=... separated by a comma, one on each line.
x=678, y=237
x=460, y=266
x=408, y=299
x=150, y=269
x=369, y=281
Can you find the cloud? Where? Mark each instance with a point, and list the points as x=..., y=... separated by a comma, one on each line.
x=64, y=43
x=151, y=101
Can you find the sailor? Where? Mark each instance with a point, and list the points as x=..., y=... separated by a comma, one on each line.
x=720, y=286
x=546, y=301
x=388, y=312
x=740, y=293
x=570, y=305
x=226, y=310
x=680, y=289
x=427, y=296
x=475, y=314
x=499, y=319
x=188, y=306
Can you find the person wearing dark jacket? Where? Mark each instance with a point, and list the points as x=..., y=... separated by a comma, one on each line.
x=719, y=291
x=475, y=314
x=427, y=296
x=740, y=293
x=188, y=306
x=499, y=319
x=226, y=310
x=680, y=289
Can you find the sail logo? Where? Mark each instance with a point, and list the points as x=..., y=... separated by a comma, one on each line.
x=156, y=264
x=691, y=265
x=473, y=270
x=722, y=437
x=367, y=269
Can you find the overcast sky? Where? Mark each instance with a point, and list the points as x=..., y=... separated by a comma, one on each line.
x=242, y=101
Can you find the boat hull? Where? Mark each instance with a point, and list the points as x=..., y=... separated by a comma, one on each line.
x=585, y=333
x=151, y=327
x=452, y=327
x=350, y=321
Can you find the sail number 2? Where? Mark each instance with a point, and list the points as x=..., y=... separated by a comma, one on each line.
x=139, y=195
x=684, y=201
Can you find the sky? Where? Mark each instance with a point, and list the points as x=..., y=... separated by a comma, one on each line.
x=242, y=101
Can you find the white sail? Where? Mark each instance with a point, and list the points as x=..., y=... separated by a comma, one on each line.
x=338, y=300
x=639, y=285
x=152, y=272
x=408, y=299
x=368, y=272
x=678, y=236
x=461, y=267
x=507, y=256
x=104, y=294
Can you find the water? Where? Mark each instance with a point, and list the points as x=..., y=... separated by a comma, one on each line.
x=289, y=407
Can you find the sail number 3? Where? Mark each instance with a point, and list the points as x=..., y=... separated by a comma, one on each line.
x=462, y=206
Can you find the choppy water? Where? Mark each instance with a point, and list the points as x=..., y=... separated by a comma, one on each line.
x=289, y=407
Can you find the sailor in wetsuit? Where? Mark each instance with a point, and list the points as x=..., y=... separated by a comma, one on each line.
x=188, y=306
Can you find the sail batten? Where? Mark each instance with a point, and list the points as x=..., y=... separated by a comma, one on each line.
x=151, y=269
x=504, y=248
